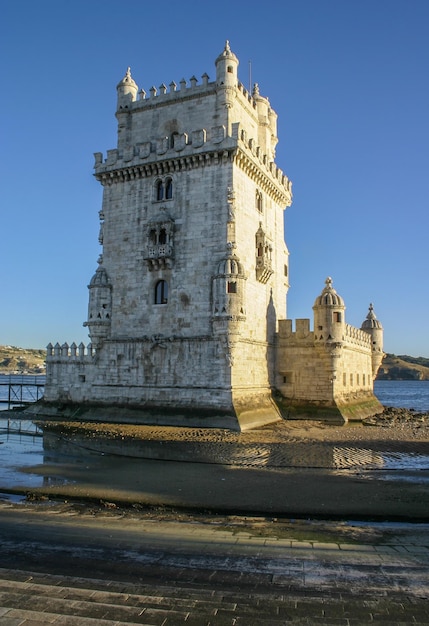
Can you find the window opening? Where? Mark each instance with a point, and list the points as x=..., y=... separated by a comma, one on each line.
x=168, y=189
x=159, y=190
x=163, y=236
x=161, y=292
x=172, y=138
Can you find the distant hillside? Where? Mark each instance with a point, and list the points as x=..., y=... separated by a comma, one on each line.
x=15, y=360
x=404, y=367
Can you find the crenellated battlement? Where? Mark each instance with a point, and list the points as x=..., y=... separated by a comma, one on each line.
x=156, y=96
x=66, y=352
x=197, y=148
x=301, y=333
x=353, y=337
x=357, y=337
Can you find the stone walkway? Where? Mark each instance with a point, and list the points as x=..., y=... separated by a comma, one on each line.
x=62, y=566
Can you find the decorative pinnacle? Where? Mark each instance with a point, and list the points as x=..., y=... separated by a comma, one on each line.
x=371, y=315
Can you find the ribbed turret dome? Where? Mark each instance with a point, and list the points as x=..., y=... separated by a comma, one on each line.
x=127, y=80
x=329, y=296
x=371, y=320
x=100, y=278
x=226, y=53
x=230, y=266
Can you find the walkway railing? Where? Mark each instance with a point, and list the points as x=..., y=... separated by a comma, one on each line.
x=19, y=391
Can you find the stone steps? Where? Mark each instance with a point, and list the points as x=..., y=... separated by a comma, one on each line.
x=30, y=599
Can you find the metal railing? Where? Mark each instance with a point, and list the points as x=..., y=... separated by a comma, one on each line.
x=21, y=390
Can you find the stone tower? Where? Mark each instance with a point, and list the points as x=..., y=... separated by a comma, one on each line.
x=193, y=272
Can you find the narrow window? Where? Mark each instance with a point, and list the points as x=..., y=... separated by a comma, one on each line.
x=168, y=189
x=159, y=190
x=161, y=292
x=172, y=139
x=162, y=236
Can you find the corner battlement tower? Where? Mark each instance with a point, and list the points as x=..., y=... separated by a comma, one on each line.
x=193, y=271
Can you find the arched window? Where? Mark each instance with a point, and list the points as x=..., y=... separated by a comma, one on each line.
x=161, y=292
x=168, y=189
x=159, y=190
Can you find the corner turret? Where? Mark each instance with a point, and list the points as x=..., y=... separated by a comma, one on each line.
x=227, y=68
x=267, y=117
x=329, y=318
x=99, y=307
x=127, y=91
x=373, y=327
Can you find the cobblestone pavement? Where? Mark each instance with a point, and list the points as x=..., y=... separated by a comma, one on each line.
x=82, y=567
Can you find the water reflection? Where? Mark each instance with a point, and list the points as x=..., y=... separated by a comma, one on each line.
x=30, y=460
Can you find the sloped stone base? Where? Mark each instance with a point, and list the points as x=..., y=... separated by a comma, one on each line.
x=244, y=415
x=336, y=413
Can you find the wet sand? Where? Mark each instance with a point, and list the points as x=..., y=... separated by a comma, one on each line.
x=295, y=469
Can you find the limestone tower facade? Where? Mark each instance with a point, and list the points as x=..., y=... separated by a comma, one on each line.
x=193, y=269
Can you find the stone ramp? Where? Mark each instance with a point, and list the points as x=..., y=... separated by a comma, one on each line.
x=32, y=599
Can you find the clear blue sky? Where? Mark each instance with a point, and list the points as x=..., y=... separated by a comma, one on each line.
x=349, y=81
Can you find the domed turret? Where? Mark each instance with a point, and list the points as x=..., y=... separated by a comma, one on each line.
x=226, y=67
x=373, y=327
x=230, y=267
x=329, y=319
x=100, y=306
x=127, y=90
x=228, y=289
